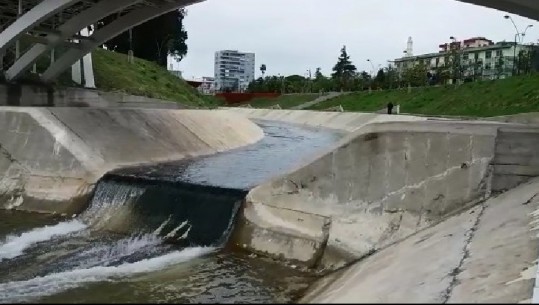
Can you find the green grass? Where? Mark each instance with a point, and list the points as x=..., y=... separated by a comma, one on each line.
x=114, y=73
x=479, y=99
x=285, y=101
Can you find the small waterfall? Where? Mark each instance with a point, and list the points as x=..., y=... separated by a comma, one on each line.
x=180, y=212
x=111, y=207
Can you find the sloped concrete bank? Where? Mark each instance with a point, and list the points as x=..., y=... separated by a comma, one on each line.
x=487, y=254
x=379, y=185
x=50, y=158
x=343, y=121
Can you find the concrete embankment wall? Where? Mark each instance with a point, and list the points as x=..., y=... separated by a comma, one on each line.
x=486, y=254
x=30, y=95
x=517, y=156
x=50, y=158
x=530, y=118
x=344, y=121
x=380, y=185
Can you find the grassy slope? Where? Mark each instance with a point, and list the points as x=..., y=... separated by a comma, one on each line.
x=114, y=73
x=481, y=99
x=285, y=101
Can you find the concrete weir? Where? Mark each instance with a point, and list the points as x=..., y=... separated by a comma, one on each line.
x=51, y=158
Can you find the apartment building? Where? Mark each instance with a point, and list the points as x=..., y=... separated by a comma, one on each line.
x=234, y=70
x=478, y=57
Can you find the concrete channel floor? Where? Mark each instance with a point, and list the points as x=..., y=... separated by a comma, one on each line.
x=485, y=254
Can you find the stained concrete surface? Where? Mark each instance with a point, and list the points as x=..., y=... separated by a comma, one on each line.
x=486, y=254
x=50, y=158
x=376, y=187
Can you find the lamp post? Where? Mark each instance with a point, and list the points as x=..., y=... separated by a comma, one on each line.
x=372, y=65
x=524, y=33
x=516, y=36
x=372, y=75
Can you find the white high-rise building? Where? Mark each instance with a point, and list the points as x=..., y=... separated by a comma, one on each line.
x=234, y=70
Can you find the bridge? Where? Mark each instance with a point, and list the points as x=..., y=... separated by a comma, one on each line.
x=53, y=25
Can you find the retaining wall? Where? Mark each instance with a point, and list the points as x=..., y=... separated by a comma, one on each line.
x=41, y=96
x=50, y=158
x=378, y=186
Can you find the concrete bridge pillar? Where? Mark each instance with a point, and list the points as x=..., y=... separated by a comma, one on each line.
x=100, y=36
x=82, y=72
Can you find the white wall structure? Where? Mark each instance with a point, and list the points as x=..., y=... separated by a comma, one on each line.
x=479, y=58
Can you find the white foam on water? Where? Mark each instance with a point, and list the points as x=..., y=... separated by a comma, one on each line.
x=57, y=282
x=14, y=245
x=105, y=254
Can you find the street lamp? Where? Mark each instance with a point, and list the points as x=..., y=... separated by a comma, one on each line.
x=515, y=46
x=370, y=61
x=282, y=82
x=309, y=81
x=524, y=33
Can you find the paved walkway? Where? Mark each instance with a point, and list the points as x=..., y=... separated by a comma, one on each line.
x=319, y=100
x=486, y=254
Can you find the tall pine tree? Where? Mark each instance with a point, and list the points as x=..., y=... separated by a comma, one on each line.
x=344, y=71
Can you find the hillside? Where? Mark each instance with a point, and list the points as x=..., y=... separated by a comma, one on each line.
x=114, y=73
x=480, y=99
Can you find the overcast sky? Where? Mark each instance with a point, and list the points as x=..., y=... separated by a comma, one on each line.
x=291, y=36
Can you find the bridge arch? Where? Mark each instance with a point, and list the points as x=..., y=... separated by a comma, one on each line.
x=137, y=12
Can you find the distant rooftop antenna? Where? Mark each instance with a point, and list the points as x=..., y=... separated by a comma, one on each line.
x=410, y=47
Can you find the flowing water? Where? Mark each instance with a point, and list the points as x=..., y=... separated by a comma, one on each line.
x=157, y=234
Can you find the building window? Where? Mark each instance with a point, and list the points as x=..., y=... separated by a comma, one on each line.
x=487, y=67
x=488, y=54
x=476, y=56
x=465, y=56
x=437, y=61
x=499, y=53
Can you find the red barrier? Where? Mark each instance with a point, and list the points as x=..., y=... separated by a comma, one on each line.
x=240, y=98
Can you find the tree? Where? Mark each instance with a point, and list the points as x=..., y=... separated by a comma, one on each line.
x=344, y=70
x=391, y=76
x=523, y=62
x=263, y=69
x=380, y=79
x=148, y=42
x=318, y=74
x=500, y=67
x=417, y=75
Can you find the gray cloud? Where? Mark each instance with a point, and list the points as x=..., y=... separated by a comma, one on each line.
x=291, y=36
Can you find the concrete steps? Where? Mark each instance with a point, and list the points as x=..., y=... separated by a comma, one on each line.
x=517, y=157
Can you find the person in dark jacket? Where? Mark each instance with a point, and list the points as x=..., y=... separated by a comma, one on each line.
x=390, y=108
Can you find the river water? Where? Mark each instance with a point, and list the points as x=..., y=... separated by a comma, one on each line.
x=158, y=233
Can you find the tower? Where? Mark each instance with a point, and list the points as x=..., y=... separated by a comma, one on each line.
x=410, y=47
